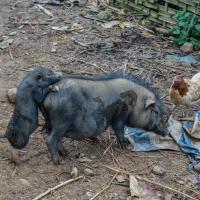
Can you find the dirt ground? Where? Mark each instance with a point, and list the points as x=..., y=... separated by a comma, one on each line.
x=97, y=50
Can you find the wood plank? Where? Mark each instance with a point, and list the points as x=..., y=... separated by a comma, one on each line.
x=136, y=7
x=153, y=14
x=155, y=20
x=174, y=2
x=167, y=19
x=150, y=5
x=165, y=14
x=151, y=1
x=187, y=2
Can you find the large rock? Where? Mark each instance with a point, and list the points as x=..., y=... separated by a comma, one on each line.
x=187, y=47
x=12, y=95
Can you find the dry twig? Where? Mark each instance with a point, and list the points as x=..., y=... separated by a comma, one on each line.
x=79, y=43
x=11, y=56
x=105, y=188
x=57, y=187
x=110, y=145
x=44, y=10
x=31, y=23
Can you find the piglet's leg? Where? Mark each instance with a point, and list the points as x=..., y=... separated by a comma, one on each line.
x=40, y=94
x=54, y=144
x=61, y=150
x=118, y=127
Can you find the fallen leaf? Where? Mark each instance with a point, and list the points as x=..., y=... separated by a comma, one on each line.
x=121, y=25
x=134, y=186
x=110, y=24
x=24, y=182
x=74, y=172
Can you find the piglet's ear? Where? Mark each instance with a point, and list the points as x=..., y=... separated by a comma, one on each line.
x=149, y=102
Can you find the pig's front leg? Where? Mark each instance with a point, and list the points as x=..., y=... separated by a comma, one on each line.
x=54, y=145
x=118, y=127
x=61, y=150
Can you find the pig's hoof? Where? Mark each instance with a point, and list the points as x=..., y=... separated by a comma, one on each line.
x=123, y=144
x=94, y=139
x=63, y=152
x=57, y=160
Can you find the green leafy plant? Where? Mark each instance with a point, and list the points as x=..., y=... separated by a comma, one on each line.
x=187, y=29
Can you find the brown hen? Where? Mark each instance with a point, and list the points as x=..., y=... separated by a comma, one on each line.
x=184, y=91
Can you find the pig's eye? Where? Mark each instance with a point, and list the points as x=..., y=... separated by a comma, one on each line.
x=39, y=77
x=155, y=113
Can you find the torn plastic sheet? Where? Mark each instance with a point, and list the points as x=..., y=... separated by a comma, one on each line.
x=181, y=139
x=189, y=59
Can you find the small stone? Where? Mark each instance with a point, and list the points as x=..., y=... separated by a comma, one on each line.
x=129, y=198
x=120, y=179
x=197, y=167
x=74, y=172
x=55, y=43
x=103, y=15
x=158, y=170
x=24, y=182
x=88, y=172
x=162, y=30
x=93, y=157
x=12, y=154
x=12, y=95
x=89, y=194
x=12, y=33
x=81, y=155
x=187, y=47
x=53, y=50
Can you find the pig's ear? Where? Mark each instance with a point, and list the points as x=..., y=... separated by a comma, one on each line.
x=149, y=102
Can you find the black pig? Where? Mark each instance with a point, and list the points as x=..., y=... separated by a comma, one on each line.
x=85, y=107
x=30, y=94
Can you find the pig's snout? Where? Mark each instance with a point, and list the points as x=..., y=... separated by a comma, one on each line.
x=164, y=131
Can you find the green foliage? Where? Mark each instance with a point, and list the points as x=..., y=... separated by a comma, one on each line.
x=187, y=29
